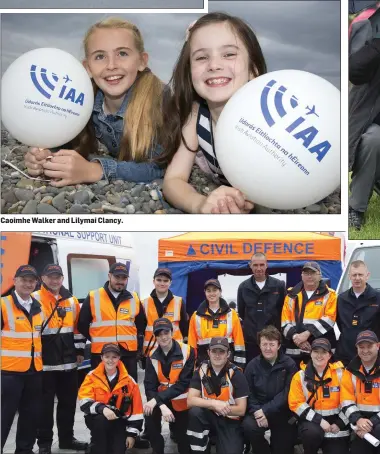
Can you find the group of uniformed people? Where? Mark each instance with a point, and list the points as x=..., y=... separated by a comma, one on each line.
x=194, y=375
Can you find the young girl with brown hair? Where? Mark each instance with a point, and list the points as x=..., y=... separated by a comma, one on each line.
x=126, y=118
x=220, y=55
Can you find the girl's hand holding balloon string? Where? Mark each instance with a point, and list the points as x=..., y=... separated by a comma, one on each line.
x=67, y=167
x=35, y=158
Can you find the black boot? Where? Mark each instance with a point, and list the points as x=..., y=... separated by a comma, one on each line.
x=73, y=444
x=355, y=218
x=44, y=450
x=141, y=443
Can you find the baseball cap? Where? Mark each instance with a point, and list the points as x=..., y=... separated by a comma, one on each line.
x=162, y=323
x=367, y=336
x=52, y=269
x=110, y=348
x=219, y=342
x=163, y=272
x=26, y=270
x=213, y=282
x=321, y=343
x=314, y=266
x=119, y=269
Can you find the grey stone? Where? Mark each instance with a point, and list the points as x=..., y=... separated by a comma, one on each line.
x=59, y=202
x=145, y=196
x=146, y=208
x=113, y=209
x=3, y=203
x=30, y=207
x=95, y=206
x=155, y=194
x=152, y=205
x=130, y=209
x=44, y=208
x=313, y=209
x=82, y=197
x=15, y=174
x=47, y=199
x=24, y=183
x=24, y=194
x=79, y=209
x=324, y=209
x=15, y=208
x=137, y=190
x=114, y=199
x=9, y=197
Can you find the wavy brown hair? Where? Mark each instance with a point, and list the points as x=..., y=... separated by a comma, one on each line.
x=143, y=116
x=178, y=105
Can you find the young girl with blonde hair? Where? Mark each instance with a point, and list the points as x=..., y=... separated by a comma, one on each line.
x=126, y=118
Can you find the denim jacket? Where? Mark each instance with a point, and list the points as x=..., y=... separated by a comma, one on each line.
x=109, y=131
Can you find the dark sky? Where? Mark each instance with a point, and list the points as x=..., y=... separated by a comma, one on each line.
x=293, y=34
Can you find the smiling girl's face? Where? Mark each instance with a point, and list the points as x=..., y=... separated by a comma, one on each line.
x=113, y=60
x=219, y=63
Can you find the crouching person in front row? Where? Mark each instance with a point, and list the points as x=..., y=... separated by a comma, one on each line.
x=111, y=401
x=217, y=401
x=269, y=376
x=314, y=397
x=168, y=372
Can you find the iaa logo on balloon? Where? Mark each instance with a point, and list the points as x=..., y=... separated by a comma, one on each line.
x=46, y=83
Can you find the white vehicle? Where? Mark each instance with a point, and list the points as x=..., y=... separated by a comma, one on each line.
x=85, y=258
x=369, y=252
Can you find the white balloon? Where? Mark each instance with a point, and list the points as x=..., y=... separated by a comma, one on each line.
x=47, y=98
x=278, y=139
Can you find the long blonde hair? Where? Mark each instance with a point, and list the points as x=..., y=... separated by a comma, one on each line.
x=143, y=116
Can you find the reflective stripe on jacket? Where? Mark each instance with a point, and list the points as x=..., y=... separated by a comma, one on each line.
x=201, y=332
x=60, y=355
x=180, y=402
x=226, y=390
x=110, y=326
x=19, y=338
x=172, y=312
x=319, y=405
x=95, y=391
x=354, y=398
x=317, y=315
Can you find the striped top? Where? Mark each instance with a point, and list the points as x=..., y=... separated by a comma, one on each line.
x=206, y=157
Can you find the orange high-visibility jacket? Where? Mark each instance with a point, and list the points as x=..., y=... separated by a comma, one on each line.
x=20, y=340
x=318, y=317
x=173, y=313
x=201, y=330
x=65, y=328
x=180, y=402
x=227, y=390
x=319, y=406
x=355, y=402
x=110, y=326
x=95, y=394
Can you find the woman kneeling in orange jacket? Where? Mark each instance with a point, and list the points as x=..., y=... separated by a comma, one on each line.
x=111, y=402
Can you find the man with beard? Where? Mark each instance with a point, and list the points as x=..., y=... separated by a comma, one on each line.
x=260, y=299
x=112, y=314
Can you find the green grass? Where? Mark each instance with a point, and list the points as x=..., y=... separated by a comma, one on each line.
x=371, y=227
